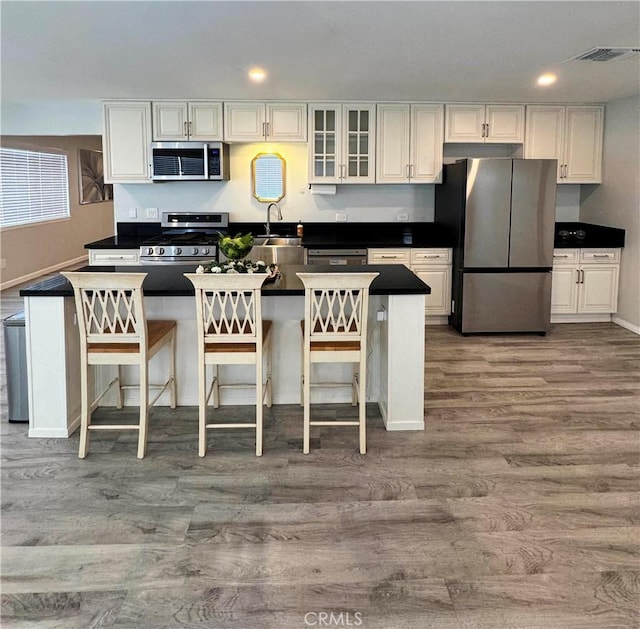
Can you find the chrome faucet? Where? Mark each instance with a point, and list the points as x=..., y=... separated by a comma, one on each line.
x=268, y=225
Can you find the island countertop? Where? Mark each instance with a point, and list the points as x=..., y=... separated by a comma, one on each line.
x=169, y=280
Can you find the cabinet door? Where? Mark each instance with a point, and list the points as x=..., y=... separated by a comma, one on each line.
x=583, y=145
x=425, y=154
x=599, y=288
x=170, y=121
x=125, y=141
x=505, y=123
x=545, y=134
x=564, y=289
x=464, y=123
x=439, y=280
x=392, y=129
x=205, y=121
x=244, y=122
x=325, y=143
x=358, y=143
x=287, y=122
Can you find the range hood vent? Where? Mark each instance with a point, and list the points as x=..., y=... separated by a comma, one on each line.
x=606, y=54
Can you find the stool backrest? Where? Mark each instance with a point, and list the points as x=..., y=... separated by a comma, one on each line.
x=336, y=305
x=228, y=306
x=109, y=307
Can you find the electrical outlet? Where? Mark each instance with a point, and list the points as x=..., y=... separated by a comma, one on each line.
x=3, y=263
x=381, y=315
x=403, y=216
x=341, y=217
x=133, y=212
x=152, y=212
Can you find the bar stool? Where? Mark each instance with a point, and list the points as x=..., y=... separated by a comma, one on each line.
x=335, y=331
x=231, y=331
x=114, y=331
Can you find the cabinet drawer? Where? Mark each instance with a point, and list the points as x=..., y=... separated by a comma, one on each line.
x=599, y=255
x=389, y=256
x=122, y=257
x=565, y=256
x=430, y=256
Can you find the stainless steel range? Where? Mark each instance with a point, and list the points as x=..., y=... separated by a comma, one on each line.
x=187, y=238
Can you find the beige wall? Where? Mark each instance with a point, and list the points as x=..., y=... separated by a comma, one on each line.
x=35, y=249
x=616, y=201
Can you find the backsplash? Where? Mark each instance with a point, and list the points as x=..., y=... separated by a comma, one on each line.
x=356, y=203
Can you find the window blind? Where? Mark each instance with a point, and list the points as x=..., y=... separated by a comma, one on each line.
x=34, y=187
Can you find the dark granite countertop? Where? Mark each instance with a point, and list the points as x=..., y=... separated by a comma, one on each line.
x=367, y=235
x=576, y=235
x=169, y=280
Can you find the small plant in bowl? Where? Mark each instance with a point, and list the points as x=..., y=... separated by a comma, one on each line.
x=236, y=248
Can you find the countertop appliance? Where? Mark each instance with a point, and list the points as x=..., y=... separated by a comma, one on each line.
x=186, y=238
x=500, y=214
x=337, y=257
x=189, y=161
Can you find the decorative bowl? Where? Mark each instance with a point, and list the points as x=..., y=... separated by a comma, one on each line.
x=235, y=248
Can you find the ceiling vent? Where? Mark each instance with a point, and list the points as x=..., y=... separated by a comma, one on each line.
x=606, y=54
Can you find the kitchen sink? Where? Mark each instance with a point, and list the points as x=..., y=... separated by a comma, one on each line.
x=277, y=250
x=277, y=241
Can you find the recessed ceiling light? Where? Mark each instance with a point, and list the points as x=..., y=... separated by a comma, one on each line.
x=257, y=74
x=547, y=79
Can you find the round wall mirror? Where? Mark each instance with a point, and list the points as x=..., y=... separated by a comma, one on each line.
x=268, y=177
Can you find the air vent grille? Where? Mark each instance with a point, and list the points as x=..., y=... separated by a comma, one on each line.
x=606, y=54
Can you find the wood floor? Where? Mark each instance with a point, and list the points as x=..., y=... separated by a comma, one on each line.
x=517, y=508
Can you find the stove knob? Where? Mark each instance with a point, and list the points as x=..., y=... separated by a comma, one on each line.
x=150, y=251
x=161, y=250
x=178, y=251
x=194, y=251
x=205, y=251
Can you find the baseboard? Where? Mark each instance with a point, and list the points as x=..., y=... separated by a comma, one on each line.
x=581, y=318
x=627, y=325
x=36, y=274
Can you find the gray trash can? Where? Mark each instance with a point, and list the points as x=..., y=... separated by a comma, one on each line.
x=15, y=349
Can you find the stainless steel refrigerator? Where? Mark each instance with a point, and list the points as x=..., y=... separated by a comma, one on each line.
x=500, y=215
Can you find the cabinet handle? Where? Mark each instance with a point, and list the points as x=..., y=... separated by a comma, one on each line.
x=601, y=255
x=563, y=255
x=389, y=257
x=411, y=171
x=407, y=171
x=433, y=256
x=578, y=278
x=190, y=128
x=486, y=131
x=581, y=276
x=184, y=125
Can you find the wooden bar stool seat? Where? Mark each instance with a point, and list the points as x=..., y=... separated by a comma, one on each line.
x=114, y=331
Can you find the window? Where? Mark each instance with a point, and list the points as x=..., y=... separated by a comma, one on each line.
x=34, y=187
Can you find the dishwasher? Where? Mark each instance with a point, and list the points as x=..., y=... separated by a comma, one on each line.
x=337, y=257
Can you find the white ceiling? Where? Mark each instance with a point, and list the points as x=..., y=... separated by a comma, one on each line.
x=487, y=51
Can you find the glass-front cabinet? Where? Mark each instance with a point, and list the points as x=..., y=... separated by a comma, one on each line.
x=342, y=143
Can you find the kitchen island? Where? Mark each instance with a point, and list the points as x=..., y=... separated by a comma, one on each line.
x=395, y=346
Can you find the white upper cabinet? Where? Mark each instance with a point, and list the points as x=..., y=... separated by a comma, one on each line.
x=178, y=121
x=342, y=143
x=571, y=134
x=409, y=143
x=484, y=123
x=258, y=122
x=125, y=141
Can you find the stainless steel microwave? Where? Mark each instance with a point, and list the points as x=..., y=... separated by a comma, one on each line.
x=189, y=161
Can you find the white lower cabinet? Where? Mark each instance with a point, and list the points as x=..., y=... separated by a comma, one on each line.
x=114, y=257
x=585, y=284
x=432, y=266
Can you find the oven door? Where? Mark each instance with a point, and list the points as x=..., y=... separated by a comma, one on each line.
x=337, y=257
